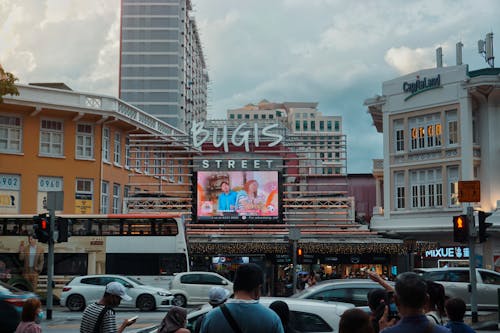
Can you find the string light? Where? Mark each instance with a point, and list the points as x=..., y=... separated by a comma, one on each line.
x=309, y=248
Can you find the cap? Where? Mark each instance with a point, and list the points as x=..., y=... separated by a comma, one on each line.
x=117, y=289
x=217, y=295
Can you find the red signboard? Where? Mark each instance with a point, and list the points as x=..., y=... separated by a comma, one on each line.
x=469, y=191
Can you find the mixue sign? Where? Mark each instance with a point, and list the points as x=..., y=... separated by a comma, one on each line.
x=457, y=252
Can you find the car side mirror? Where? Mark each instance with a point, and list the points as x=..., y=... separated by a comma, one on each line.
x=128, y=285
x=224, y=282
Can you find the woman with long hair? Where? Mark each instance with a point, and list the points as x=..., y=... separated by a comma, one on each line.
x=31, y=317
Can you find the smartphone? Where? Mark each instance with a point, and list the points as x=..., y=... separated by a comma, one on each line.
x=134, y=318
x=393, y=311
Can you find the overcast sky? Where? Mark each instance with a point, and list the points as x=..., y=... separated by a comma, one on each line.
x=336, y=53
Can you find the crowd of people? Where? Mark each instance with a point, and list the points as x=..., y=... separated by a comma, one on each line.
x=413, y=305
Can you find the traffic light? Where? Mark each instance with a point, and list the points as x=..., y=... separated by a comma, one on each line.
x=300, y=255
x=460, y=229
x=63, y=226
x=41, y=227
x=483, y=225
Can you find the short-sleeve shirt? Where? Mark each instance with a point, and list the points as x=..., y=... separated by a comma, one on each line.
x=250, y=316
x=90, y=316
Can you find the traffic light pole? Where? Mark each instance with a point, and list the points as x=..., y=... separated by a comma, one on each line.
x=472, y=262
x=294, y=266
x=50, y=263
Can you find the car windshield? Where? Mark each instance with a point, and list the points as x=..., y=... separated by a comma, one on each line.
x=135, y=280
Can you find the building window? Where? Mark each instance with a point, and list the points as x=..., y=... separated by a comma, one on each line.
x=263, y=116
x=231, y=116
x=239, y=116
x=399, y=184
x=147, y=170
x=399, y=136
x=426, y=188
x=452, y=128
x=84, y=141
x=104, y=197
x=313, y=125
x=171, y=170
x=105, y=144
x=10, y=134
x=321, y=125
x=304, y=124
x=337, y=126
x=180, y=178
x=116, y=199
x=51, y=137
x=255, y=116
x=117, y=153
x=247, y=116
x=329, y=125
x=297, y=125
x=271, y=116
x=453, y=179
x=127, y=153
x=426, y=132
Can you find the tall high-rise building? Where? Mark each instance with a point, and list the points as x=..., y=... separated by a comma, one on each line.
x=162, y=68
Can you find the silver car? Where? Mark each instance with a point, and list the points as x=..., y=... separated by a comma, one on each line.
x=455, y=281
x=352, y=291
x=83, y=290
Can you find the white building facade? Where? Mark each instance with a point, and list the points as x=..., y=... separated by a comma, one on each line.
x=439, y=127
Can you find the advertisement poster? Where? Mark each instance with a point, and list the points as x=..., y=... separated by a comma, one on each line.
x=83, y=203
x=9, y=202
x=237, y=195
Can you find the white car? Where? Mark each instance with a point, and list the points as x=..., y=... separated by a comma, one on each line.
x=193, y=287
x=309, y=316
x=456, y=281
x=83, y=290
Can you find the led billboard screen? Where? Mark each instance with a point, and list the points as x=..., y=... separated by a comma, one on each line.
x=234, y=196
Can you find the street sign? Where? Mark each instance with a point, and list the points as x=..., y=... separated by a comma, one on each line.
x=469, y=191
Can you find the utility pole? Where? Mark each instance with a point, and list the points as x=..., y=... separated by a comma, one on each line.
x=294, y=235
x=50, y=263
x=54, y=202
x=472, y=262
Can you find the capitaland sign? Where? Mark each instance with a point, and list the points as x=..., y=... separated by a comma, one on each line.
x=243, y=135
x=420, y=85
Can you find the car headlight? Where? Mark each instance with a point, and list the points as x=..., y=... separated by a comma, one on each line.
x=163, y=293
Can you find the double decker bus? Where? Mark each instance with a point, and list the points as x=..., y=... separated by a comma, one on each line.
x=149, y=247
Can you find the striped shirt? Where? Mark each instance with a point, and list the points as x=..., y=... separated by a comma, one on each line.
x=90, y=316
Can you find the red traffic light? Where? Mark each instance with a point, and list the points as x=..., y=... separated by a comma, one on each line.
x=43, y=224
x=299, y=251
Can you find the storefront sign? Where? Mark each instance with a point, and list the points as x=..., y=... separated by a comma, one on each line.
x=10, y=182
x=49, y=184
x=239, y=137
x=418, y=86
x=458, y=252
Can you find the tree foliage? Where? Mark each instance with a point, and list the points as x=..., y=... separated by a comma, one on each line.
x=7, y=84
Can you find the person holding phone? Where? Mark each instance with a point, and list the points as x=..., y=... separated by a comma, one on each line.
x=410, y=298
x=100, y=316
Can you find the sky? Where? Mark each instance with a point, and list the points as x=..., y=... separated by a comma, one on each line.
x=334, y=52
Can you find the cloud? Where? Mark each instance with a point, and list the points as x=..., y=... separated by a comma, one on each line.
x=406, y=60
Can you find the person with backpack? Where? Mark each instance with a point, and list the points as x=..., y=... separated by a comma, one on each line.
x=99, y=317
x=244, y=313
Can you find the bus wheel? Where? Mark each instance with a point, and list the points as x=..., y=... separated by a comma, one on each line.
x=75, y=303
x=179, y=300
x=146, y=303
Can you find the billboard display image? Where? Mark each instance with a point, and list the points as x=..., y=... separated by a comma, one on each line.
x=237, y=196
